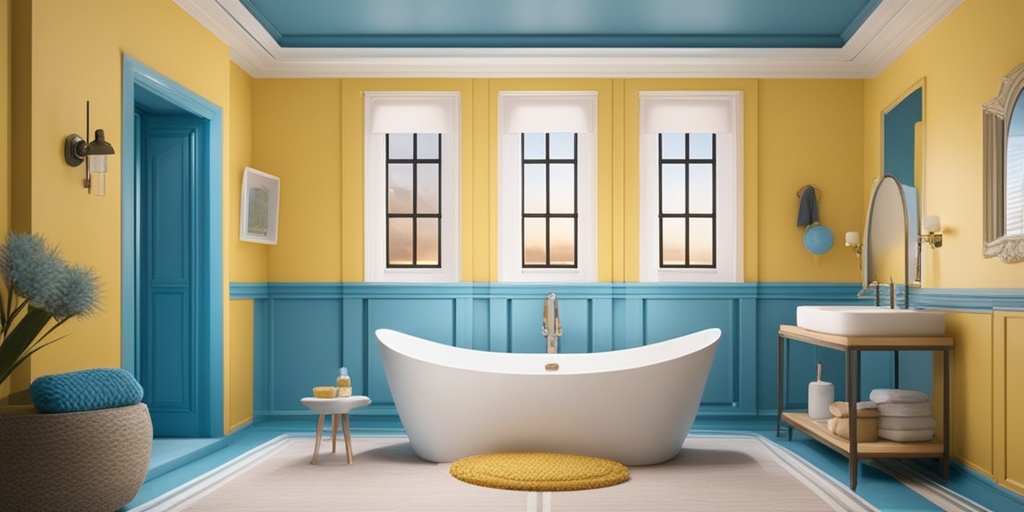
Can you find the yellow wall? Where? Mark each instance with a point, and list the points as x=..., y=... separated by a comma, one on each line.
x=962, y=61
x=65, y=55
x=247, y=263
x=5, y=127
x=796, y=132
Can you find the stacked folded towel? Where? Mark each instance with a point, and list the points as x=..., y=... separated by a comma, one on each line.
x=867, y=421
x=904, y=415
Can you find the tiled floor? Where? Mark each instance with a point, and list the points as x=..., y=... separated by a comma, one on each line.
x=178, y=461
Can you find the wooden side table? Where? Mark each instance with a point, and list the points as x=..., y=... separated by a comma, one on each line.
x=335, y=407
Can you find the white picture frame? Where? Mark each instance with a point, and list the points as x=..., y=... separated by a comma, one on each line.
x=260, y=203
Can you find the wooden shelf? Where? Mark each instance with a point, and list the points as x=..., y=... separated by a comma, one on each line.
x=876, y=450
x=852, y=347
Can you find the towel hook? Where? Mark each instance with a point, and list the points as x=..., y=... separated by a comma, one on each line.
x=817, y=192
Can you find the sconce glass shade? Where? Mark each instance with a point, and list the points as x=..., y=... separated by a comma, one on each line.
x=932, y=223
x=852, y=238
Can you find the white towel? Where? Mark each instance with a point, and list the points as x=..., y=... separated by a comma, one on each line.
x=907, y=423
x=918, y=409
x=900, y=396
x=906, y=436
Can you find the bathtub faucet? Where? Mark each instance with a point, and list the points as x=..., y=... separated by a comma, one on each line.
x=552, y=326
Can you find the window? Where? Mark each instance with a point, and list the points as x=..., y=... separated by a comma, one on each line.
x=547, y=186
x=412, y=180
x=690, y=193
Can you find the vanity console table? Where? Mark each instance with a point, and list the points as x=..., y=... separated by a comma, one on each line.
x=852, y=346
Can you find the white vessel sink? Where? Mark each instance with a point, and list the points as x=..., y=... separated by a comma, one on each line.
x=870, y=321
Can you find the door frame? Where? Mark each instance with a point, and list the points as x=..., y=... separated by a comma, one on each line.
x=209, y=237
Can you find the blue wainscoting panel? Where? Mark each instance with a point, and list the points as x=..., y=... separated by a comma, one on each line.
x=303, y=332
x=669, y=318
x=304, y=349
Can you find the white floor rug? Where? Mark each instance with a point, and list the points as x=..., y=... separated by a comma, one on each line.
x=711, y=472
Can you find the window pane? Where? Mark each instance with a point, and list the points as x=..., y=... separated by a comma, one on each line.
x=428, y=188
x=535, y=188
x=701, y=145
x=701, y=189
x=534, y=146
x=399, y=188
x=400, y=146
x=400, y=241
x=673, y=146
x=673, y=188
x=563, y=241
x=563, y=188
x=563, y=146
x=701, y=242
x=428, y=146
x=534, y=242
x=673, y=241
x=427, y=241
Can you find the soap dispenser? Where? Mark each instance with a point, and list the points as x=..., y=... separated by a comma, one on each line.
x=344, y=382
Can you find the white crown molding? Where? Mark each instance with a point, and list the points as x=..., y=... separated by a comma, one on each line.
x=892, y=28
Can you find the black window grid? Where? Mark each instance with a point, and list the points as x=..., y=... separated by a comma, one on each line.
x=547, y=161
x=415, y=161
x=687, y=215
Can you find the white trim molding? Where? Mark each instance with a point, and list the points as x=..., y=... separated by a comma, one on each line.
x=892, y=28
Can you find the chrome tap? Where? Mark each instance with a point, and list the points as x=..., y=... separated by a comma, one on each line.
x=552, y=326
x=878, y=298
x=892, y=294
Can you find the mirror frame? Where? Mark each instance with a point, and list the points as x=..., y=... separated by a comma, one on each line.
x=868, y=267
x=996, y=116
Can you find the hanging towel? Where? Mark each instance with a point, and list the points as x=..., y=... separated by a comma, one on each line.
x=808, y=213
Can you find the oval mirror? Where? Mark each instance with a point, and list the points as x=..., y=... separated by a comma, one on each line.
x=1003, y=136
x=887, y=241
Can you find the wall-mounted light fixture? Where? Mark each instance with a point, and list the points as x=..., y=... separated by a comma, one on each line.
x=94, y=154
x=853, y=240
x=933, y=226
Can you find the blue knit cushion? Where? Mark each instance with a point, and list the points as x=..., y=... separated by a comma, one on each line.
x=85, y=390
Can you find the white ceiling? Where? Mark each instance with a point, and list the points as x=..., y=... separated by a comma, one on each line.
x=891, y=29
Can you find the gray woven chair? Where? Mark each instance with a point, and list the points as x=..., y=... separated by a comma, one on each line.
x=78, y=461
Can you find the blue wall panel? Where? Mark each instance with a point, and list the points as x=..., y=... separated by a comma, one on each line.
x=303, y=332
x=304, y=349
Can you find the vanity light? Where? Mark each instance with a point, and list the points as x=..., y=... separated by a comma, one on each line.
x=853, y=240
x=94, y=154
x=933, y=225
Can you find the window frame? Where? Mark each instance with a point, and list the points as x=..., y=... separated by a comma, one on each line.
x=728, y=200
x=445, y=106
x=510, y=196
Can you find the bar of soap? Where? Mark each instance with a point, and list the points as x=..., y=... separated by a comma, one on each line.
x=325, y=392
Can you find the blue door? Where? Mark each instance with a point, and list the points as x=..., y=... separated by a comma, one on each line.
x=170, y=147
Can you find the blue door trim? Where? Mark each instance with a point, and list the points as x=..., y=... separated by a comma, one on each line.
x=211, y=298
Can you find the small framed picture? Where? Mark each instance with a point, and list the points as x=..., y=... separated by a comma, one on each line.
x=260, y=199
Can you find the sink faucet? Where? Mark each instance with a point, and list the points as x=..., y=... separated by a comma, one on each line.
x=552, y=326
x=878, y=299
x=892, y=294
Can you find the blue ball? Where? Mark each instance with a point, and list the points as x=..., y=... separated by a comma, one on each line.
x=818, y=239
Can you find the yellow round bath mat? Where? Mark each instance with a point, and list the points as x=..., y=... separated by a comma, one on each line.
x=539, y=471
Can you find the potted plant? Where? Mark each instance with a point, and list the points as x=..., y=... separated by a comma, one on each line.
x=86, y=459
x=40, y=292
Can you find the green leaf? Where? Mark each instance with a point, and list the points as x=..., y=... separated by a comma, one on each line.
x=20, y=339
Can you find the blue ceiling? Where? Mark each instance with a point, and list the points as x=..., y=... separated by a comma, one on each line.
x=561, y=23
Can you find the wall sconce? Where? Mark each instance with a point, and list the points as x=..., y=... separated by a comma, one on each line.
x=94, y=154
x=853, y=240
x=933, y=225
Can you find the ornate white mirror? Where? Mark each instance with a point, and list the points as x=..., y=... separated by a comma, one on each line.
x=1004, y=170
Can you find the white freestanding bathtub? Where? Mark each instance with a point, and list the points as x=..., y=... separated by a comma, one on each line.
x=635, y=406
